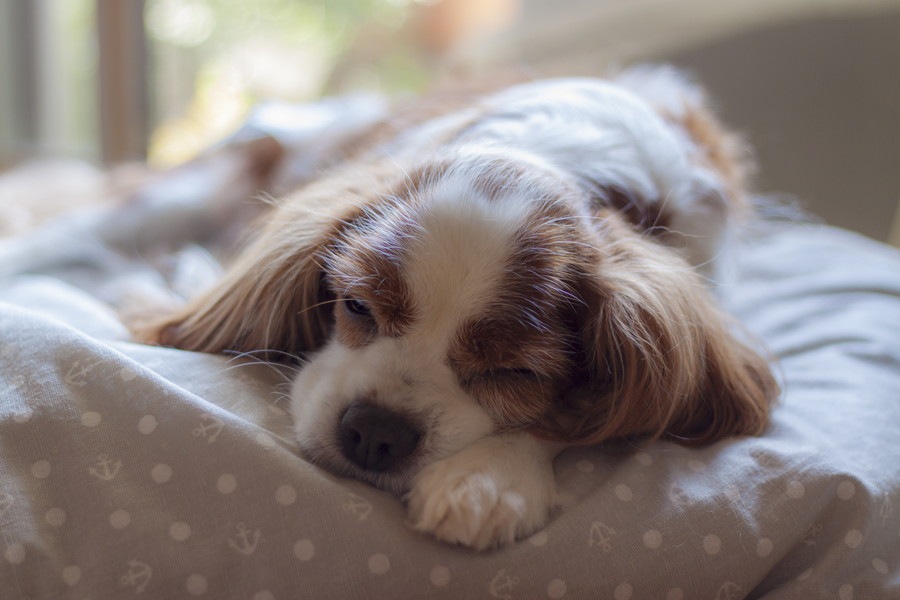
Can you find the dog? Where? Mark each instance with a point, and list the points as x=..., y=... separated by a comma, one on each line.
x=482, y=280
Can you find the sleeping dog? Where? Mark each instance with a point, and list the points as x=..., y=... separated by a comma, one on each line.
x=479, y=280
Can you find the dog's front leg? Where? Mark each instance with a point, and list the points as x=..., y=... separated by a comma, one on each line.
x=491, y=493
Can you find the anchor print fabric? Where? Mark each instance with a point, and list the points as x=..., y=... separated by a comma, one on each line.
x=136, y=472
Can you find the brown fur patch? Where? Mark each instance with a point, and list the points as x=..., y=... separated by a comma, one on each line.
x=366, y=263
x=659, y=358
x=720, y=149
x=517, y=356
x=512, y=368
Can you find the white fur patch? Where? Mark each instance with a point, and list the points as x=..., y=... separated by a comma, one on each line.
x=497, y=490
x=455, y=264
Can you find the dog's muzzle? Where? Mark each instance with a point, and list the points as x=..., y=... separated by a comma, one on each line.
x=376, y=439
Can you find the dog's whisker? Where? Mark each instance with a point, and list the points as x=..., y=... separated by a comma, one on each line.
x=254, y=360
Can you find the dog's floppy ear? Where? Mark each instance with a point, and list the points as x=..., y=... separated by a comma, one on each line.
x=659, y=359
x=272, y=298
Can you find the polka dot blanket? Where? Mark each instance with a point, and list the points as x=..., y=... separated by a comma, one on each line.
x=129, y=471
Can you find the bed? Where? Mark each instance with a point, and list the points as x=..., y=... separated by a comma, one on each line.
x=135, y=471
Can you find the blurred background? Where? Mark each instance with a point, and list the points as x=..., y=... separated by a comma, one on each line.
x=814, y=85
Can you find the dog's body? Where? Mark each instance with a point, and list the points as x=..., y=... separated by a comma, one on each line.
x=472, y=290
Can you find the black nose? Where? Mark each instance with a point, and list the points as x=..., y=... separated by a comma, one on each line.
x=374, y=438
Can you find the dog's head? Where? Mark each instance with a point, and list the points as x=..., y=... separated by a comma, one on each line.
x=531, y=270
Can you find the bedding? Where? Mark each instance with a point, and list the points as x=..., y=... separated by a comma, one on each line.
x=146, y=472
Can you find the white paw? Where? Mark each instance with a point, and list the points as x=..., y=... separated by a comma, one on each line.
x=484, y=496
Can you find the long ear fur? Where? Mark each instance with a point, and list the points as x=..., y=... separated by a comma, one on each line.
x=272, y=298
x=660, y=357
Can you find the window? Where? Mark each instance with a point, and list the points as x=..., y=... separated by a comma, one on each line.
x=112, y=80
x=48, y=96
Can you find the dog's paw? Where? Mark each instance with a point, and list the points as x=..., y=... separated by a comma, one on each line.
x=490, y=494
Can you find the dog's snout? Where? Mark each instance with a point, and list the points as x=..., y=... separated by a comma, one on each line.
x=374, y=438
